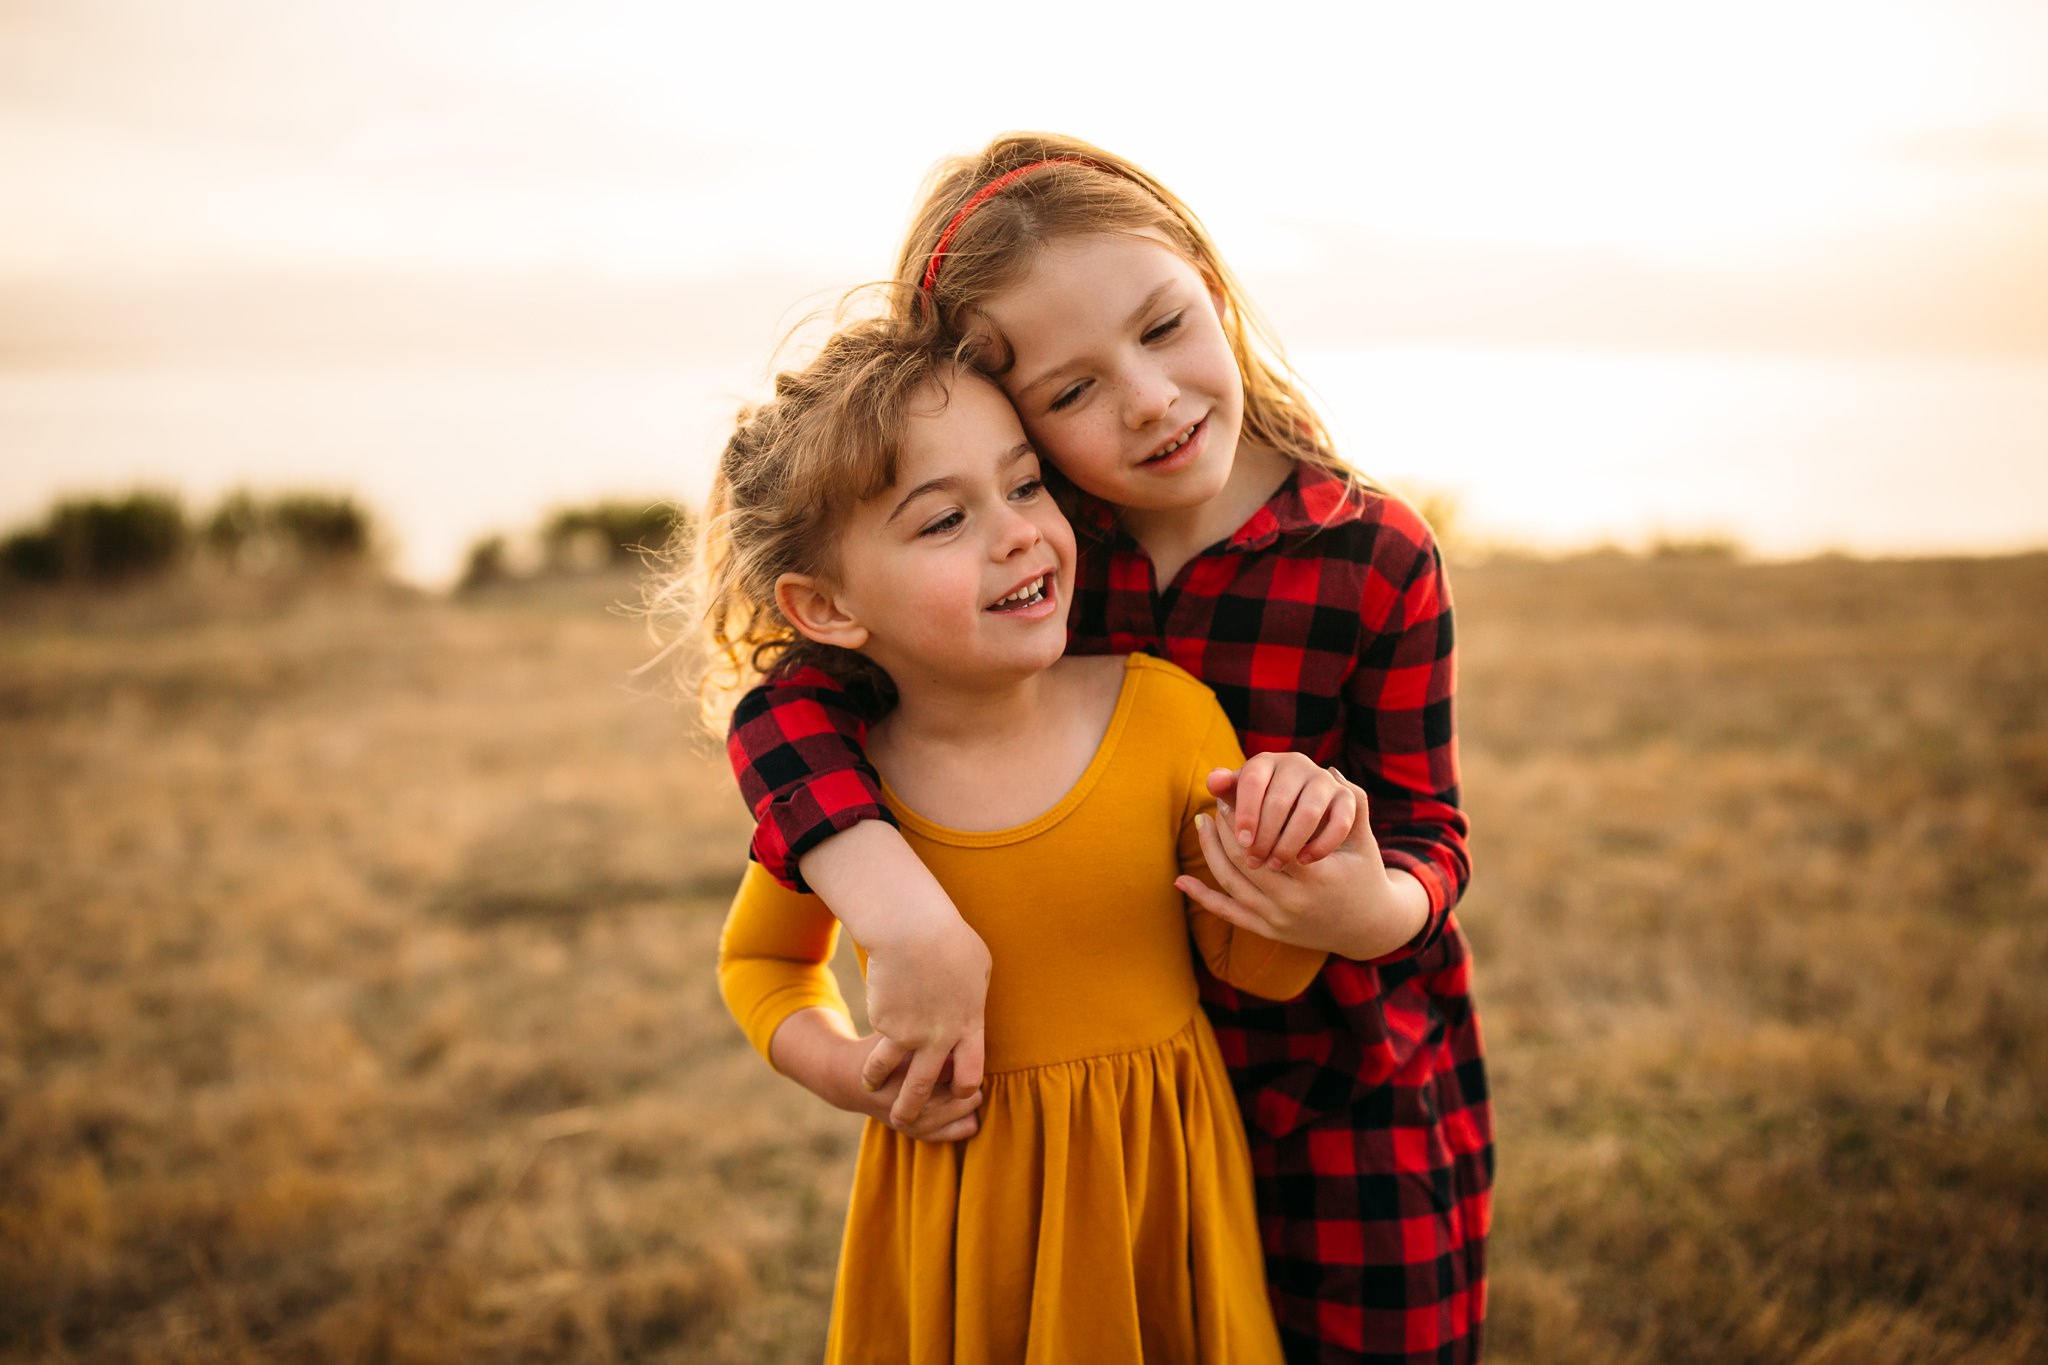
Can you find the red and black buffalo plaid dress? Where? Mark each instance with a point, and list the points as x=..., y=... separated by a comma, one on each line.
x=1323, y=625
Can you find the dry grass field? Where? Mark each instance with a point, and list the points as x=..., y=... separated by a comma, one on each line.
x=356, y=994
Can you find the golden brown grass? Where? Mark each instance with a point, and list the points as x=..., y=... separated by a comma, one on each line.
x=356, y=998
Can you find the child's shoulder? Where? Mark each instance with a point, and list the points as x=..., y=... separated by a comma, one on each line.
x=1352, y=520
x=1334, y=499
x=1147, y=711
x=1165, y=690
x=1151, y=670
x=1146, y=681
x=1092, y=683
x=1400, y=519
x=1171, y=723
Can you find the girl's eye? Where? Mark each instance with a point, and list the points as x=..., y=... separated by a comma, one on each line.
x=1164, y=329
x=942, y=525
x=1028, y=490
x=1069, y=397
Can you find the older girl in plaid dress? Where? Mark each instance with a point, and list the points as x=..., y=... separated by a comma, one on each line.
x=1220, y=531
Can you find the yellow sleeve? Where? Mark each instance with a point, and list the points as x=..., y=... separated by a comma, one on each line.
x=1248, y=961
x=775, y=956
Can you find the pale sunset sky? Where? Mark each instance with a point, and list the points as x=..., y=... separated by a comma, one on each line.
x=200, y=181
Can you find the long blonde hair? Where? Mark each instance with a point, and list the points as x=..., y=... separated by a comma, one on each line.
x=789, y=474
x=1088, y=190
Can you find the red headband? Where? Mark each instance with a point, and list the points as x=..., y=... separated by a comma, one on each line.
x=982, y=196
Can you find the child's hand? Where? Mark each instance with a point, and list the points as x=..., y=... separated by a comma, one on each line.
x=925, y=997
x=1288, y=808
x=946, y=1117
x=927, y=970
x=1348, y=903
x=818, y=1049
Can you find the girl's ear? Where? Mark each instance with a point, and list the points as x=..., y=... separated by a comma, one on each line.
x=810, y=605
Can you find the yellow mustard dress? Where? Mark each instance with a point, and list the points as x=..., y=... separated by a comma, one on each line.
x=1104, y=1211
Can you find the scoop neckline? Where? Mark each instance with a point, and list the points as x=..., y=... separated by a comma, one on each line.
x=1058, y=811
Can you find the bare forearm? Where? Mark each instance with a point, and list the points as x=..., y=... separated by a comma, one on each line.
x=810, y=1047
x=1388, y=917
x=878, y=887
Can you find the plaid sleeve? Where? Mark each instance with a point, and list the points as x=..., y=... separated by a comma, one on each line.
x=1400, y=736
x=797, y=746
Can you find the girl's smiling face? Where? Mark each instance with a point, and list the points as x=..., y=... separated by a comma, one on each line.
x=964, y=566
x=1121, y=372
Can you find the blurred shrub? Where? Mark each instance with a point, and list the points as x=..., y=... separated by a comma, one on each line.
x=591, y=538
x=235, y=527
x=323, y=528
x=298, y=530
x=489, y=562
x=601, y=535
x=31, y=555
x=100, y=540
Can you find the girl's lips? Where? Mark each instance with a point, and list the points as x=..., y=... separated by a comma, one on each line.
x=1183, y=455
x=1031, y=611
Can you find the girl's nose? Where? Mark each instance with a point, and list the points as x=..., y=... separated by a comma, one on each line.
x=1014, y=533
x=1148, y=396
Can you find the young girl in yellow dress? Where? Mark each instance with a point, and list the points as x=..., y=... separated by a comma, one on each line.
x=883, y=518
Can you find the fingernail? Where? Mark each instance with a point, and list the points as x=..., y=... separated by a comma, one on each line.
x=868, y=1085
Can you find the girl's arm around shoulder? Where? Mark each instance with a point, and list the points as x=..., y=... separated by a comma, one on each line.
x=798, y=746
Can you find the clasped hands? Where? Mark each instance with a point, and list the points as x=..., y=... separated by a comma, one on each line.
x=1321, y=883
x=1298, y=864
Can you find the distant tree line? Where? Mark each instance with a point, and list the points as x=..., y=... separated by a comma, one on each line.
x=143, y=534
x=110, y=540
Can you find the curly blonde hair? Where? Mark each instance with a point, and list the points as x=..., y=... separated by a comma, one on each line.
x=792, y=469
